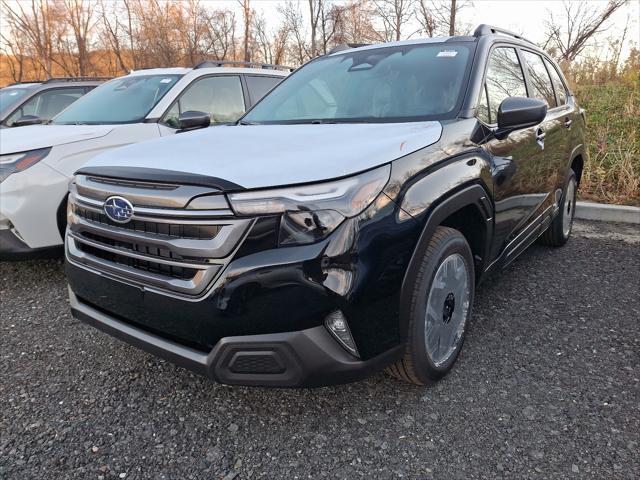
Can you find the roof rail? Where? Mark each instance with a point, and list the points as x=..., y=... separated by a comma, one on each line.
x=228, y=63
x=24, y=82
x=484, y=29
x=346, y=46
x=75, y=79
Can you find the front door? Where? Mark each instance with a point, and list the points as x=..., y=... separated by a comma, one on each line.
x=519, y=160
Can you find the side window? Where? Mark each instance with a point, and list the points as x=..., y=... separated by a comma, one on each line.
x=259, y=86
x=558, y=85
x=540, y=81
x=220, y=97
x=47, y=104
x=504, y=79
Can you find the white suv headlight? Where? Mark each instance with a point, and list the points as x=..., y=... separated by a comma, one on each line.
x=17, y=162
x=313, y=211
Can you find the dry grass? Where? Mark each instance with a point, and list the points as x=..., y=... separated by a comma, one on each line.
x=612, y=174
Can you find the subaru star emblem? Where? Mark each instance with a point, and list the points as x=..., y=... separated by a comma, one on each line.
x=118, y=209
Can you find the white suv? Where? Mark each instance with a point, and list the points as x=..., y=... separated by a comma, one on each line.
x=37, y=162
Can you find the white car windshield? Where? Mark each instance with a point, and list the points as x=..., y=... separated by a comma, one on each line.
x=388, y=84
x=10, y=95
x=123, y=100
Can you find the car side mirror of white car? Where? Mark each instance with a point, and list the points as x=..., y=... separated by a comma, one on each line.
x=193, y=119
x=27, y=120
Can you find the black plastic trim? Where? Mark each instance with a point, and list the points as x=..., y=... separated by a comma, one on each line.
x=160, y=175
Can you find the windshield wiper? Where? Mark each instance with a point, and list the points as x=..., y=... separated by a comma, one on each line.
x=244, y=122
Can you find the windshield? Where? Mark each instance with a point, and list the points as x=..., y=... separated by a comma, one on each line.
x=123, y=100
x=388, y=84
x=10, y=95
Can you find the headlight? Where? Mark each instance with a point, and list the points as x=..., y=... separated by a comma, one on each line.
x=17, y=162
x=311, y=212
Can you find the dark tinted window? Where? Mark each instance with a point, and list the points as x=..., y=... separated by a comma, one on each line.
x=504, y=79
x=387, y=84
x=47, y=104
x=220, y=97
x=561, y=92
x=259, y=86
x=540, y=82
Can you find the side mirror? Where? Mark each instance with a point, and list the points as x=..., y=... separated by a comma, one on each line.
x=516, y=113
x=27, y=120
x=193, y=119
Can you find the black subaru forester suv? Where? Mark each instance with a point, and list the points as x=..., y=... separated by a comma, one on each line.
x=342, y=225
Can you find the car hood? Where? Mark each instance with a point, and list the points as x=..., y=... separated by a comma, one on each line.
x=257, y=156
x=21, y=139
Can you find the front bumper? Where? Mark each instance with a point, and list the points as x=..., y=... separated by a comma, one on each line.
x=29, y=204
x=305, y=358
x=12, y=248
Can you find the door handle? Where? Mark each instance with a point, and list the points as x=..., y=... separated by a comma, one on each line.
x=568, y=122
x=540, y=137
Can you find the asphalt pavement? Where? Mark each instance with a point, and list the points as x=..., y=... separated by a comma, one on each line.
x=547, y=386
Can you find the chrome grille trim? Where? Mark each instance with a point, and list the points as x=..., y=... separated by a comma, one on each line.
x=144, y=213
x=191, y=287
x=183, y=258
x=139, y=256
x=219, y=246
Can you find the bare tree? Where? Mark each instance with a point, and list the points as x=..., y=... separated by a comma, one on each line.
x=271, y=46
x=580, y=22
x=246, y=17
x=38, y=21
x=80, y=17
x=14, y=51
x=293, y=21
x=393, y=14
x=442, y=17
x=221, y=35
x=316, y=10
x=353, y=23
x=426, y=19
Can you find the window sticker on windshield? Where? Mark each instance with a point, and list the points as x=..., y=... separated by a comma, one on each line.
x=447, y=53
x=166, y=80
x=13, y=93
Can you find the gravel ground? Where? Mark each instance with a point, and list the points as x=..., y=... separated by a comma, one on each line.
x=546, y=387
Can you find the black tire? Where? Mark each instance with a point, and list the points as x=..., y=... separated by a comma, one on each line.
x=417, y=365
x=558, y=233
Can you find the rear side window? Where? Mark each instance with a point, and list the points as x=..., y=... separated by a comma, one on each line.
x=259, y=86
x=558, y=85
x=220, y=97
x=539, y=78
x=47, y=104
x=504, y=79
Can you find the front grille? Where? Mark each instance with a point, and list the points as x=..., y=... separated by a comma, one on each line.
x=145, y=265
x=168, y=250
x=177, y=230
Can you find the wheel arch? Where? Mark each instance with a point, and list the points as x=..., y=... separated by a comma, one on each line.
x=576, y=162
x=468, y=210
x=61, y=216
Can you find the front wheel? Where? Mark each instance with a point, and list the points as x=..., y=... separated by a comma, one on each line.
x=441, y=300
x=560, y=229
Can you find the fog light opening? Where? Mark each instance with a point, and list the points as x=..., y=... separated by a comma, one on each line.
x=337, y=325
